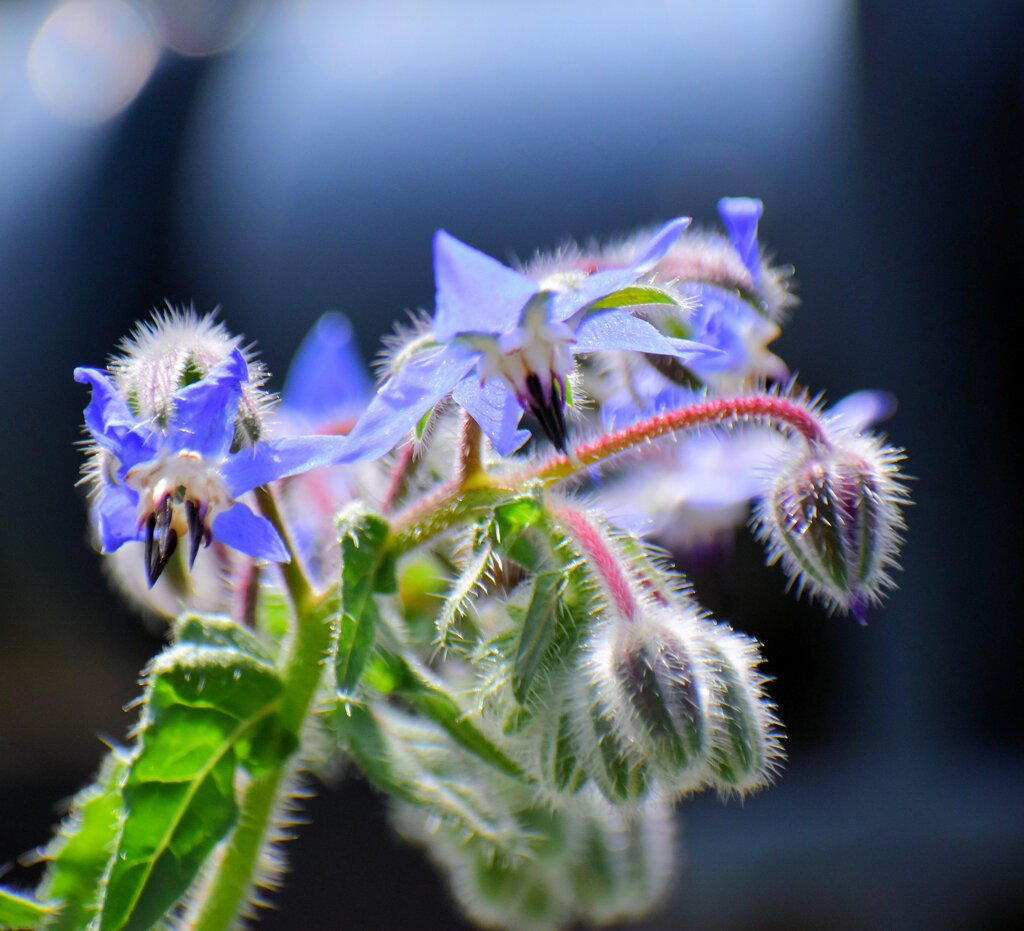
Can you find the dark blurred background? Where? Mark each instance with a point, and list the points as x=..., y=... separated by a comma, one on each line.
x=280, y=159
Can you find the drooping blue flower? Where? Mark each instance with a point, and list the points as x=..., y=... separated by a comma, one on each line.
x=520, y=335
x=160, y=478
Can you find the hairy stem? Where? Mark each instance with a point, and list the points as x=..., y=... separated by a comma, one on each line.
x=315, y=623
x=775, y=410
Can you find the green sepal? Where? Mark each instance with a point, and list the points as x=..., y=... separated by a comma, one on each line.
x=79, y=853
x=514, y=531
x=433, y=702
x=207, y=710
x=538, y=630
x=365, y=569
x=633, y=296
x=19, y=912
x=458, y=602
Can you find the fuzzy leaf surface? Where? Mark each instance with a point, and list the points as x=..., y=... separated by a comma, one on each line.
x=364, y=569
x=18, y=911
x=208, y=709
x=78, y=855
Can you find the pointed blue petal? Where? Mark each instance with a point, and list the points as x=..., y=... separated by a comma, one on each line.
x=605, y=282
x=107, y=415
x=271, y=460
x=204, y=412
x=493, y=406
x=115, y=514
x=327, y=377
x=740, y=216
x=860, y=410
x=475, y=293
x=660, y=241
x=404, y=398
x=242, y=530
x=619, y=329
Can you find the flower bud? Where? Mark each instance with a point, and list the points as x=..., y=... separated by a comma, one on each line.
x=745, y=741
x=174, y=350
x=651, y=676
x=833, y=517
x=608, y=754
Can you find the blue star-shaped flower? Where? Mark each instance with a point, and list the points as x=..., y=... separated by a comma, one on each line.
x=158, y=481
x=520, y=335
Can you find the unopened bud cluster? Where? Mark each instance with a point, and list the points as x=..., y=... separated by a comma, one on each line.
x=509, y=660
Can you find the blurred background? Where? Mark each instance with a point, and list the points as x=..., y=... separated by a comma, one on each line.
x=280, y=159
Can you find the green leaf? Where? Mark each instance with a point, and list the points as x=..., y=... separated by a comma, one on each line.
x=433, y=702
x=364, y=570
x=538, y=630
x=19, y=911
x=78, y=855
x=207, y=710
x=213, y=630
x=633, y=296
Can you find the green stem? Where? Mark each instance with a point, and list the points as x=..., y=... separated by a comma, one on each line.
x=315, y=629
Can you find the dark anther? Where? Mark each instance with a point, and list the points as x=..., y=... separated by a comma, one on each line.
x=195, y=531
x=549, y=411
x=161, y=540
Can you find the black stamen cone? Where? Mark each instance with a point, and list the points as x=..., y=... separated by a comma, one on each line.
x=195, y=531
x=161, y=540
x=549, y=412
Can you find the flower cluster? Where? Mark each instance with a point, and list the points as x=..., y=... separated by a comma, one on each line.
x=460, y=579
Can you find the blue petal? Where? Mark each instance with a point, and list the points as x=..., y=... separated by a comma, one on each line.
x=115, y=514
x=860, y=410
x=242, y=530
x=605, y=282
x=404, y=398
x=653, y=251
x=740, y=216
x=204, y=412
x=271, y=460
x=494, y=407
x=107, y=416
x=327, y=378
x=475, y=293
x=619, y=329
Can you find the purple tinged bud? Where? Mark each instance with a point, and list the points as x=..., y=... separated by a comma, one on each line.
x=832, y=515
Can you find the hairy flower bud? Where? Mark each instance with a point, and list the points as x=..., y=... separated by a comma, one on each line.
x=833, y=516
x=650, y=675
x=174, y=350
x=745, y=740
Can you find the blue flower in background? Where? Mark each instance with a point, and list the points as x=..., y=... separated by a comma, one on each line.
x=162, y=477
x=520, y=335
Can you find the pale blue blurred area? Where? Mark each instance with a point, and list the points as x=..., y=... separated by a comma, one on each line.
x=299, y=158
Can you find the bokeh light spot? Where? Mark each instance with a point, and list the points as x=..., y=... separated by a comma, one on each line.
x=90, y=59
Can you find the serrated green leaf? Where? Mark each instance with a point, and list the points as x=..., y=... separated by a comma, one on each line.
x=19, y=912
x=79, y=853
x=208, y=709
x=633, y=296
x=362, y=535
x=538, y=630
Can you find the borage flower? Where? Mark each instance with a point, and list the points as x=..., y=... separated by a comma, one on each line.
x=520, y=335
x=179, y=472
